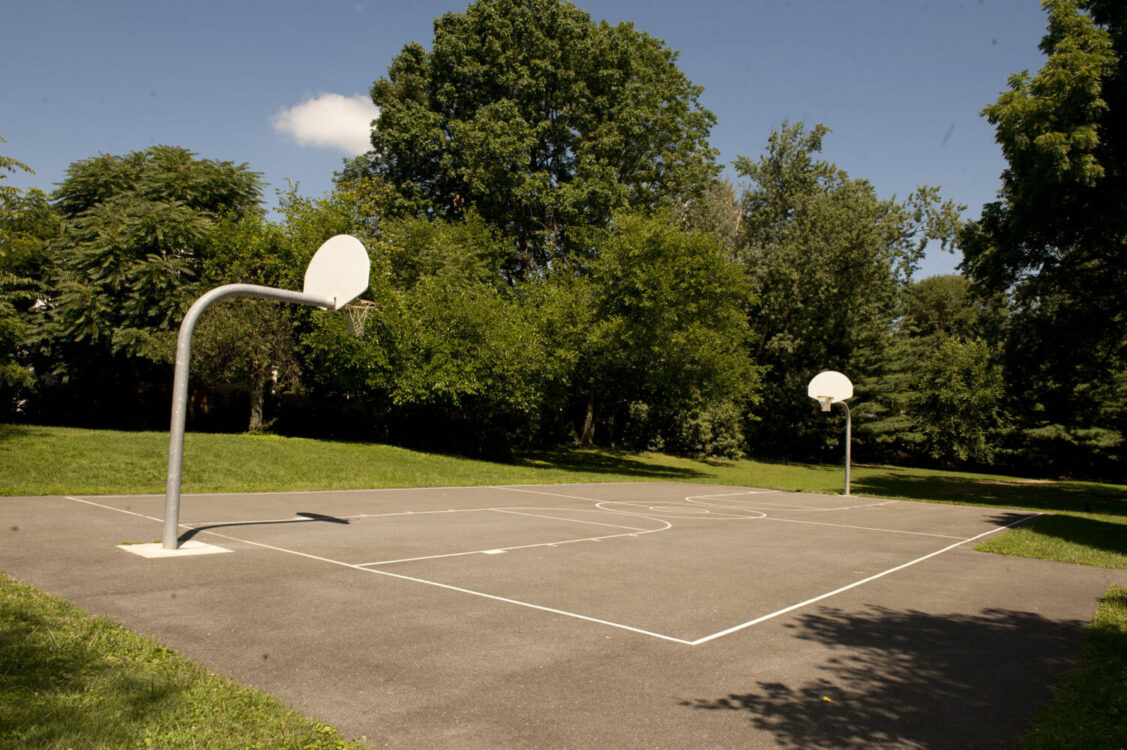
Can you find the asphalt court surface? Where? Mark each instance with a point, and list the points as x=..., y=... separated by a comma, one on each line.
x=641, y=614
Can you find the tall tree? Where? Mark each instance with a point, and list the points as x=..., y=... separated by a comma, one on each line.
x=542, y=121
x=665, y=358
x=938, y=396
x=27, y=223
x=827, y=259
x=1055, y=239
x=127, y=263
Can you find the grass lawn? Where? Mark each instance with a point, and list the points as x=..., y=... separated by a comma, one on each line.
x=1090, y=708
x=76, y=674
x=69, y=680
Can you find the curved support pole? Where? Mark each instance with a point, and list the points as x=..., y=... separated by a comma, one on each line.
x=848, y=444
x=180, y=385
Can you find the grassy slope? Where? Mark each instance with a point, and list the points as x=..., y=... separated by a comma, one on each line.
x=1090, y=528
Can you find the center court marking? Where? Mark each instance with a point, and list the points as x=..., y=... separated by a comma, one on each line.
x=575, y=615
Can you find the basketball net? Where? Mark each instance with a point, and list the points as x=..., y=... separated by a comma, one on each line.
x=357, y=315
x=825, y=401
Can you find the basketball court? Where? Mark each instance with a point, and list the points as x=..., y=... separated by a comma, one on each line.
x=658, y=615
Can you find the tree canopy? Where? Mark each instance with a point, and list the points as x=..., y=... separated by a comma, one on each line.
x=555, y=258
x=542, y=121
x=1055, y=239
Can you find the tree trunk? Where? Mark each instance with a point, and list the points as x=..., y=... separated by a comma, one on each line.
x=257, y=402
x=588, y=435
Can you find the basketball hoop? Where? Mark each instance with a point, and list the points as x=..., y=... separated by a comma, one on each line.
x=357, y=315
x=828, y=388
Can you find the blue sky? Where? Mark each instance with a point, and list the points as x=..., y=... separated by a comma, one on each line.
x=901, y=83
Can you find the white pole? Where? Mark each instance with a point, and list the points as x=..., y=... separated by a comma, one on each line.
x=180, y=386
x=848, y=444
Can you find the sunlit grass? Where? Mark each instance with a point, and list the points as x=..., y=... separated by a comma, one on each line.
x=69, y=680
x=1081, y=538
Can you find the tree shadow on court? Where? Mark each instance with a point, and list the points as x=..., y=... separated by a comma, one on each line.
x=1047, y=496
x=602, y=462
x=909, y=678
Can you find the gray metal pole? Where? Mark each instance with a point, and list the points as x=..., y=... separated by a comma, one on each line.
x=180, y=385
x=848, y=444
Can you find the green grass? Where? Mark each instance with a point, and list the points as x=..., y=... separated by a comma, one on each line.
x=1089, y=526
x=1089, y=711
x=1082, y=538
x=69, y=680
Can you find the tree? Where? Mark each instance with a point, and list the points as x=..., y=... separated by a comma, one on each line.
x=27, y=223
x=540, y=120
x=827, y=260
x=1055, y=239
x=664, y=361
x=939, y=395
x=127, y=265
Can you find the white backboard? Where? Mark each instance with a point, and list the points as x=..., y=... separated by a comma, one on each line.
x=830, y=383
x=339, y=269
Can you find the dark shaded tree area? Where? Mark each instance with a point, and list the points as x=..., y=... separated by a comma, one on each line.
x=556, y=260
x=1055, y=241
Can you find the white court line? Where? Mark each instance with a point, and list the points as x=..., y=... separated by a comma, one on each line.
x=541, y=492
x=586, y=618
x=855, y=584
x=695, y=499
x=119, y=510
x=460, y=590
x=863, y=528
x=494, y=550
x=569, y=520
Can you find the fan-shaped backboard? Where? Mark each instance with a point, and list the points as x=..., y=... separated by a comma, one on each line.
x=830, y=383
x=339, y=269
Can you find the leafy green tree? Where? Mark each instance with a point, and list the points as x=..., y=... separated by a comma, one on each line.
x=463, y=346
x=939, y=395
x=827, y=260
x=540, y=120
x=664, y=362
x=127, y=265
x=960, y=400
x=27, y=223
x=1056, y=237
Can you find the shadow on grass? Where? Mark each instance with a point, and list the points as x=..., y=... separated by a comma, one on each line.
x=912, y=679
x=12, y=431
x=1046, y=496
x=1083, y=531
x=61, y=692
x=601, y=462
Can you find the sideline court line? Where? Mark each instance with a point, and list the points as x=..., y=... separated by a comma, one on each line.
x=855, y=584
x=576, y=615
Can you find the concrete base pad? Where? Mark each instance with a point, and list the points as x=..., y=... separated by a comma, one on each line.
x=156, y=549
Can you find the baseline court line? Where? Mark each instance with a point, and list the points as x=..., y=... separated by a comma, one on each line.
x=119, y=510
x=855, y=584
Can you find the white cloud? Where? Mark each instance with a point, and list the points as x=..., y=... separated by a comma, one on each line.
x=330, y=121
